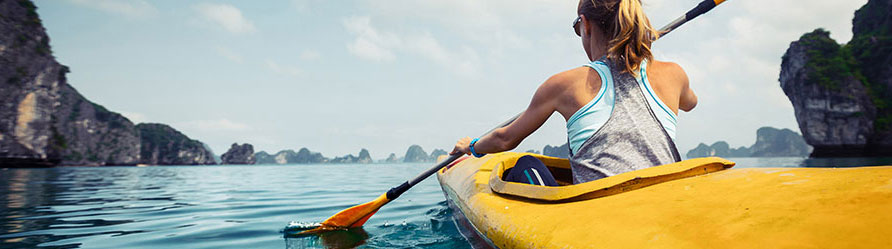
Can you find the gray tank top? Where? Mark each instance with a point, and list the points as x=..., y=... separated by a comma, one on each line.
x=631, y=139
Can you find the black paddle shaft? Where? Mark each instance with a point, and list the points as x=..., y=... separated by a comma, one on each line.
x=701, y=8
x=395, y=192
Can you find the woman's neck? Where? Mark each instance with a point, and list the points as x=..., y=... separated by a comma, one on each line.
x=597, y=52
x=598, y=46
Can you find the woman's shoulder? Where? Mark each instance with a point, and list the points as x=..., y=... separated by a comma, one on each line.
x=667, y=70
x=565, y=80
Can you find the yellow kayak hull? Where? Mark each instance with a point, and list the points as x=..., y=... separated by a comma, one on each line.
x=695, y=203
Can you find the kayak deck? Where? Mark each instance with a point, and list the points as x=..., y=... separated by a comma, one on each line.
x=734, y=208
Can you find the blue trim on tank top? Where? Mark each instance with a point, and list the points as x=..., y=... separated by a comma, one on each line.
x=659, y=102
x=576, y=116
x=577, y=134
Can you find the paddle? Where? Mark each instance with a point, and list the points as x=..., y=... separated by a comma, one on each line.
x=356, y=216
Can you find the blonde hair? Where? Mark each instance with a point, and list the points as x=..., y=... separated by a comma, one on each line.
x=627, y=29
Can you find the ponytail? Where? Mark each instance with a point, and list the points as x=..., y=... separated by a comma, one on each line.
x=627, y=29
x=631, y=37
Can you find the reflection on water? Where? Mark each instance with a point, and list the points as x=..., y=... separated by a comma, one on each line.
x=46, y=206
x=348, y=238
x=238, y=206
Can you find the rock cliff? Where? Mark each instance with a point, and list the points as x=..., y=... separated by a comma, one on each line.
x=770, y=142
x=163, y=145
x=43, y=120
x=392, y=158
x=719, y=149
x=363, y=157
x=435, y=154
x=871, y=47
x=841, y=94
x=562, y=151
x=285, y=157
x=302, y=156
x=88, y=134
x=264, y=158
x=415, y=154
x=349, y=158
x=238, y=154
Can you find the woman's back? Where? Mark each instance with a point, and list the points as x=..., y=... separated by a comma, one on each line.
x=579, y=86
x=588, y=118
x=632, y=137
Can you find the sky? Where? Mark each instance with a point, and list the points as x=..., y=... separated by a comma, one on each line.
x=339, y=76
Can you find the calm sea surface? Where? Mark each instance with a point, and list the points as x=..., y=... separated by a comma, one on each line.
x=237, y=206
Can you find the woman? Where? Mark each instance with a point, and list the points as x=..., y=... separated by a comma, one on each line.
x=620, y=109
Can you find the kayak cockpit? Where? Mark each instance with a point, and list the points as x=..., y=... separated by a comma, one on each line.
x=560, y=169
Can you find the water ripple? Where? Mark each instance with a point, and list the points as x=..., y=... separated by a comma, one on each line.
x=216, y=207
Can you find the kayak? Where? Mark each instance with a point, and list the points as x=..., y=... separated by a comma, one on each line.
x=696, y=203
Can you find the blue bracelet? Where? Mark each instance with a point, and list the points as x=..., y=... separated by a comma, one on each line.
x=472, y=148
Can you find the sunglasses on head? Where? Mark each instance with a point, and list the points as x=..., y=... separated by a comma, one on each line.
x=576, y=25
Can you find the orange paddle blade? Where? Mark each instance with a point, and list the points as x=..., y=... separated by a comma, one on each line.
x=356, y=215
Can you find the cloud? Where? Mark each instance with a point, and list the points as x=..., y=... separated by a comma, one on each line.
x=370, y=44
x=132, y=9
x=382, y=46
x=214, y=125
x=463, y=61
x=493, y=24
x=226, y=16
x=229, y=54
x=283, y=69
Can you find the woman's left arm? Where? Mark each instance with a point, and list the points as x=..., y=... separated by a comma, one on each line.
x=541, y=107
x=687, y=100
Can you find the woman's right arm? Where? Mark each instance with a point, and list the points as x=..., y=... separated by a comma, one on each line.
x=541, y=107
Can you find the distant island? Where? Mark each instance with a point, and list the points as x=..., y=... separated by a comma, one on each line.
x=770, y=142
x=562, y=151
x=239, y=154
x=414, y=154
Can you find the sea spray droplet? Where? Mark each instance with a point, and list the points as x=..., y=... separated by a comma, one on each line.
x=294, y=228
x=306, y=225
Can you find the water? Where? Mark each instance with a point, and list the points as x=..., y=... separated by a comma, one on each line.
x=216, y=207
x=238, y=206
